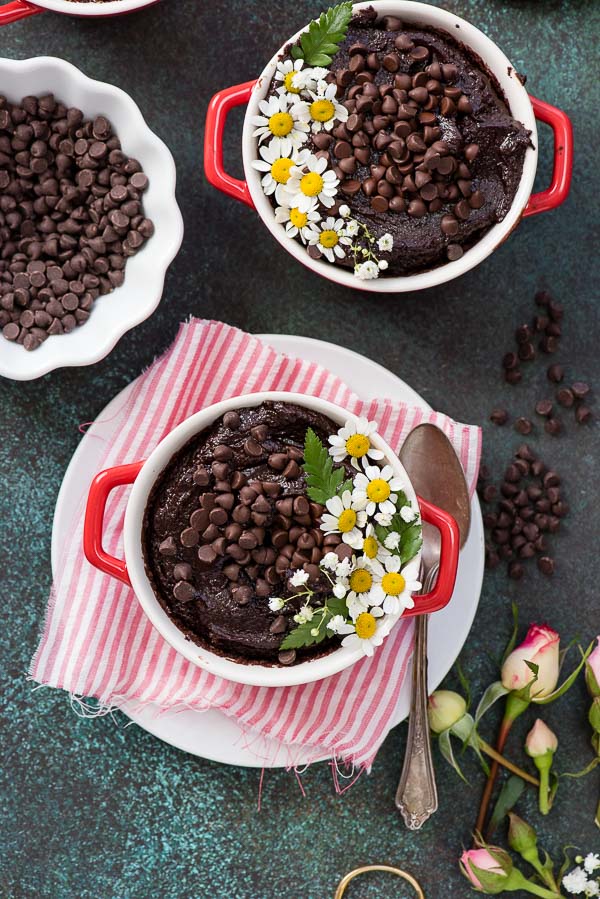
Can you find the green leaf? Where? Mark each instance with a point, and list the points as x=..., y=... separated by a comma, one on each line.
x=584, y=771
x=493, y=693
x=320, y=43
x=302, y=634
x=410, y=543
x=464, y=682
x=445, y=744
x=411, y=538
x=507, y=799
x=322, y=480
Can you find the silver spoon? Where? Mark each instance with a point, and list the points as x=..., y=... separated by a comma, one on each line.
x=437, y=475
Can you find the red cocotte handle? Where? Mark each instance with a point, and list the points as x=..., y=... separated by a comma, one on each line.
x=18, y=9
x=442, y=591
x=100, y=489
x=558, y=191
x=218, y=110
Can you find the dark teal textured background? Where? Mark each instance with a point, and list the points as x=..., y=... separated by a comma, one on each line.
x=91, y=809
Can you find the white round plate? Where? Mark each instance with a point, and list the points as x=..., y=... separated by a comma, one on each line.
x=212, y=735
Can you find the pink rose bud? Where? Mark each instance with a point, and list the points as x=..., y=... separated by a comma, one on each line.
x=540, y=740
x=445, y=708
x=592, y=670
x=541, y=648
x=495, y=862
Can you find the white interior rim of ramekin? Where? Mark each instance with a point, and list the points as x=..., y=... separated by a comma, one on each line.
x=520, y=106
x=108, y=8
x=129, y=305
x=254, y=674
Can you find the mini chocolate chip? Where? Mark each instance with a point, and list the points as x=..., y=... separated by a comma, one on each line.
x=231, y=420
x=287, y=657
x=252, y=447
x=207, y=555
x=243, y=595
x=189, y=537
x=183, y=591
x=277, y=461
x=565, y=397
x=544, y=407
x=553, y=427
x=555, y=373
x=523, y=425
x=499, y=416
x=167, y=547
x=223, y=453
x=515, y=571
x=580, y=389
x=583, y=414
x=546, y=565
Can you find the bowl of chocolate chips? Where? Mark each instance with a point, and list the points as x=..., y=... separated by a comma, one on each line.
x=389, y=146
x=85, y=189
x=272, y=539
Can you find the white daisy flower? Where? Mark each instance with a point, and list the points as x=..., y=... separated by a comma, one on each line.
x=393, y=590
x=276, y=604
x=280, y=124
x=342, y=518
x=575, y=881
x=299, y=578
x=591, y=862
x=277, y=168
x=339, y=625
x=382, y=265
x=385, y=243
x=297, y=222
x=309, y=182
x=344, y=211
x=367, y=572
x=366, y=271
x=324, y=110
x=374, y=490
x=292, y=79
x=329, y=235
x=368, y=632
x=369, y=545
x=354, y=440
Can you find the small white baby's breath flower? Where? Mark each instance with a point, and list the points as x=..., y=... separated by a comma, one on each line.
x=330, y=561
x=385, y=243
x=382, y=264
x=276, y=603
x=383, y=518
x=338, y=625
x=407, y=514
x=366, y=271
x=344, y=211
x=575, y=881
x=315, y=632
x=351, y=228
x=591, y=862
x=299, y=578
x=392, y=541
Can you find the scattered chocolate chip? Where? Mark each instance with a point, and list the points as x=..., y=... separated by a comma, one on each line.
x=555, y=373
x=583, y=415
x=499, y=416
x=553, y=426
x=544, y=407
x=523, y=425
x=580, y=389
x=546, y=565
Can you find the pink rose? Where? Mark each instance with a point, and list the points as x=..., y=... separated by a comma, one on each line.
x=541, y=648
x=540, y=740
x=592, y=670
x=485, y=861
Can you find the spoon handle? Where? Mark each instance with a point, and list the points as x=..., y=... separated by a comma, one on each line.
x=416, y=797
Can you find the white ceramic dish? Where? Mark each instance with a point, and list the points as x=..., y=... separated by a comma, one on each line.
x=20, y=9
x=521, y=108
x=114, y=314
x=133, y=570
x=212, y=734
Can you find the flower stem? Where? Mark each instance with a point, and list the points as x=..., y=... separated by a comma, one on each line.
x=544, y=791
x=540, y=891
x=506, y=763
x=489, y=787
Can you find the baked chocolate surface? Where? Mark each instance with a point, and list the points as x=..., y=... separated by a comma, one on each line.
x=231, y=615
x=420, y=243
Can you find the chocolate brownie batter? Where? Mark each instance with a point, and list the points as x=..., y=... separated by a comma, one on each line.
x=227, y=522
x=430, y=152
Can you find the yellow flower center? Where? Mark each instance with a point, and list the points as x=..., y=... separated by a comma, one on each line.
x=328, y=238
x=370, y=547
x=361, y=580
x=281, y=124
x=297, y=218
x=287, y=81
x=280, y=170
x=322, y=110
x=378, y=490
x=347, y=520
x=393, y=583
x=311, y=184
x=366, y=625
x=358, y=445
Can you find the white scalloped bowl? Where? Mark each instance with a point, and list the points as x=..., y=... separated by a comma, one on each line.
x=129, y=305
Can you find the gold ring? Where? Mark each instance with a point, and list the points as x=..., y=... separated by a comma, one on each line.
x=397, y=871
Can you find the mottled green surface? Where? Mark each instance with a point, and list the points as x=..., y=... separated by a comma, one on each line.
x=91, y=809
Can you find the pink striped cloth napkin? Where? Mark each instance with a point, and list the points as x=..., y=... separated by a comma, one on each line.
x=98, y=643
